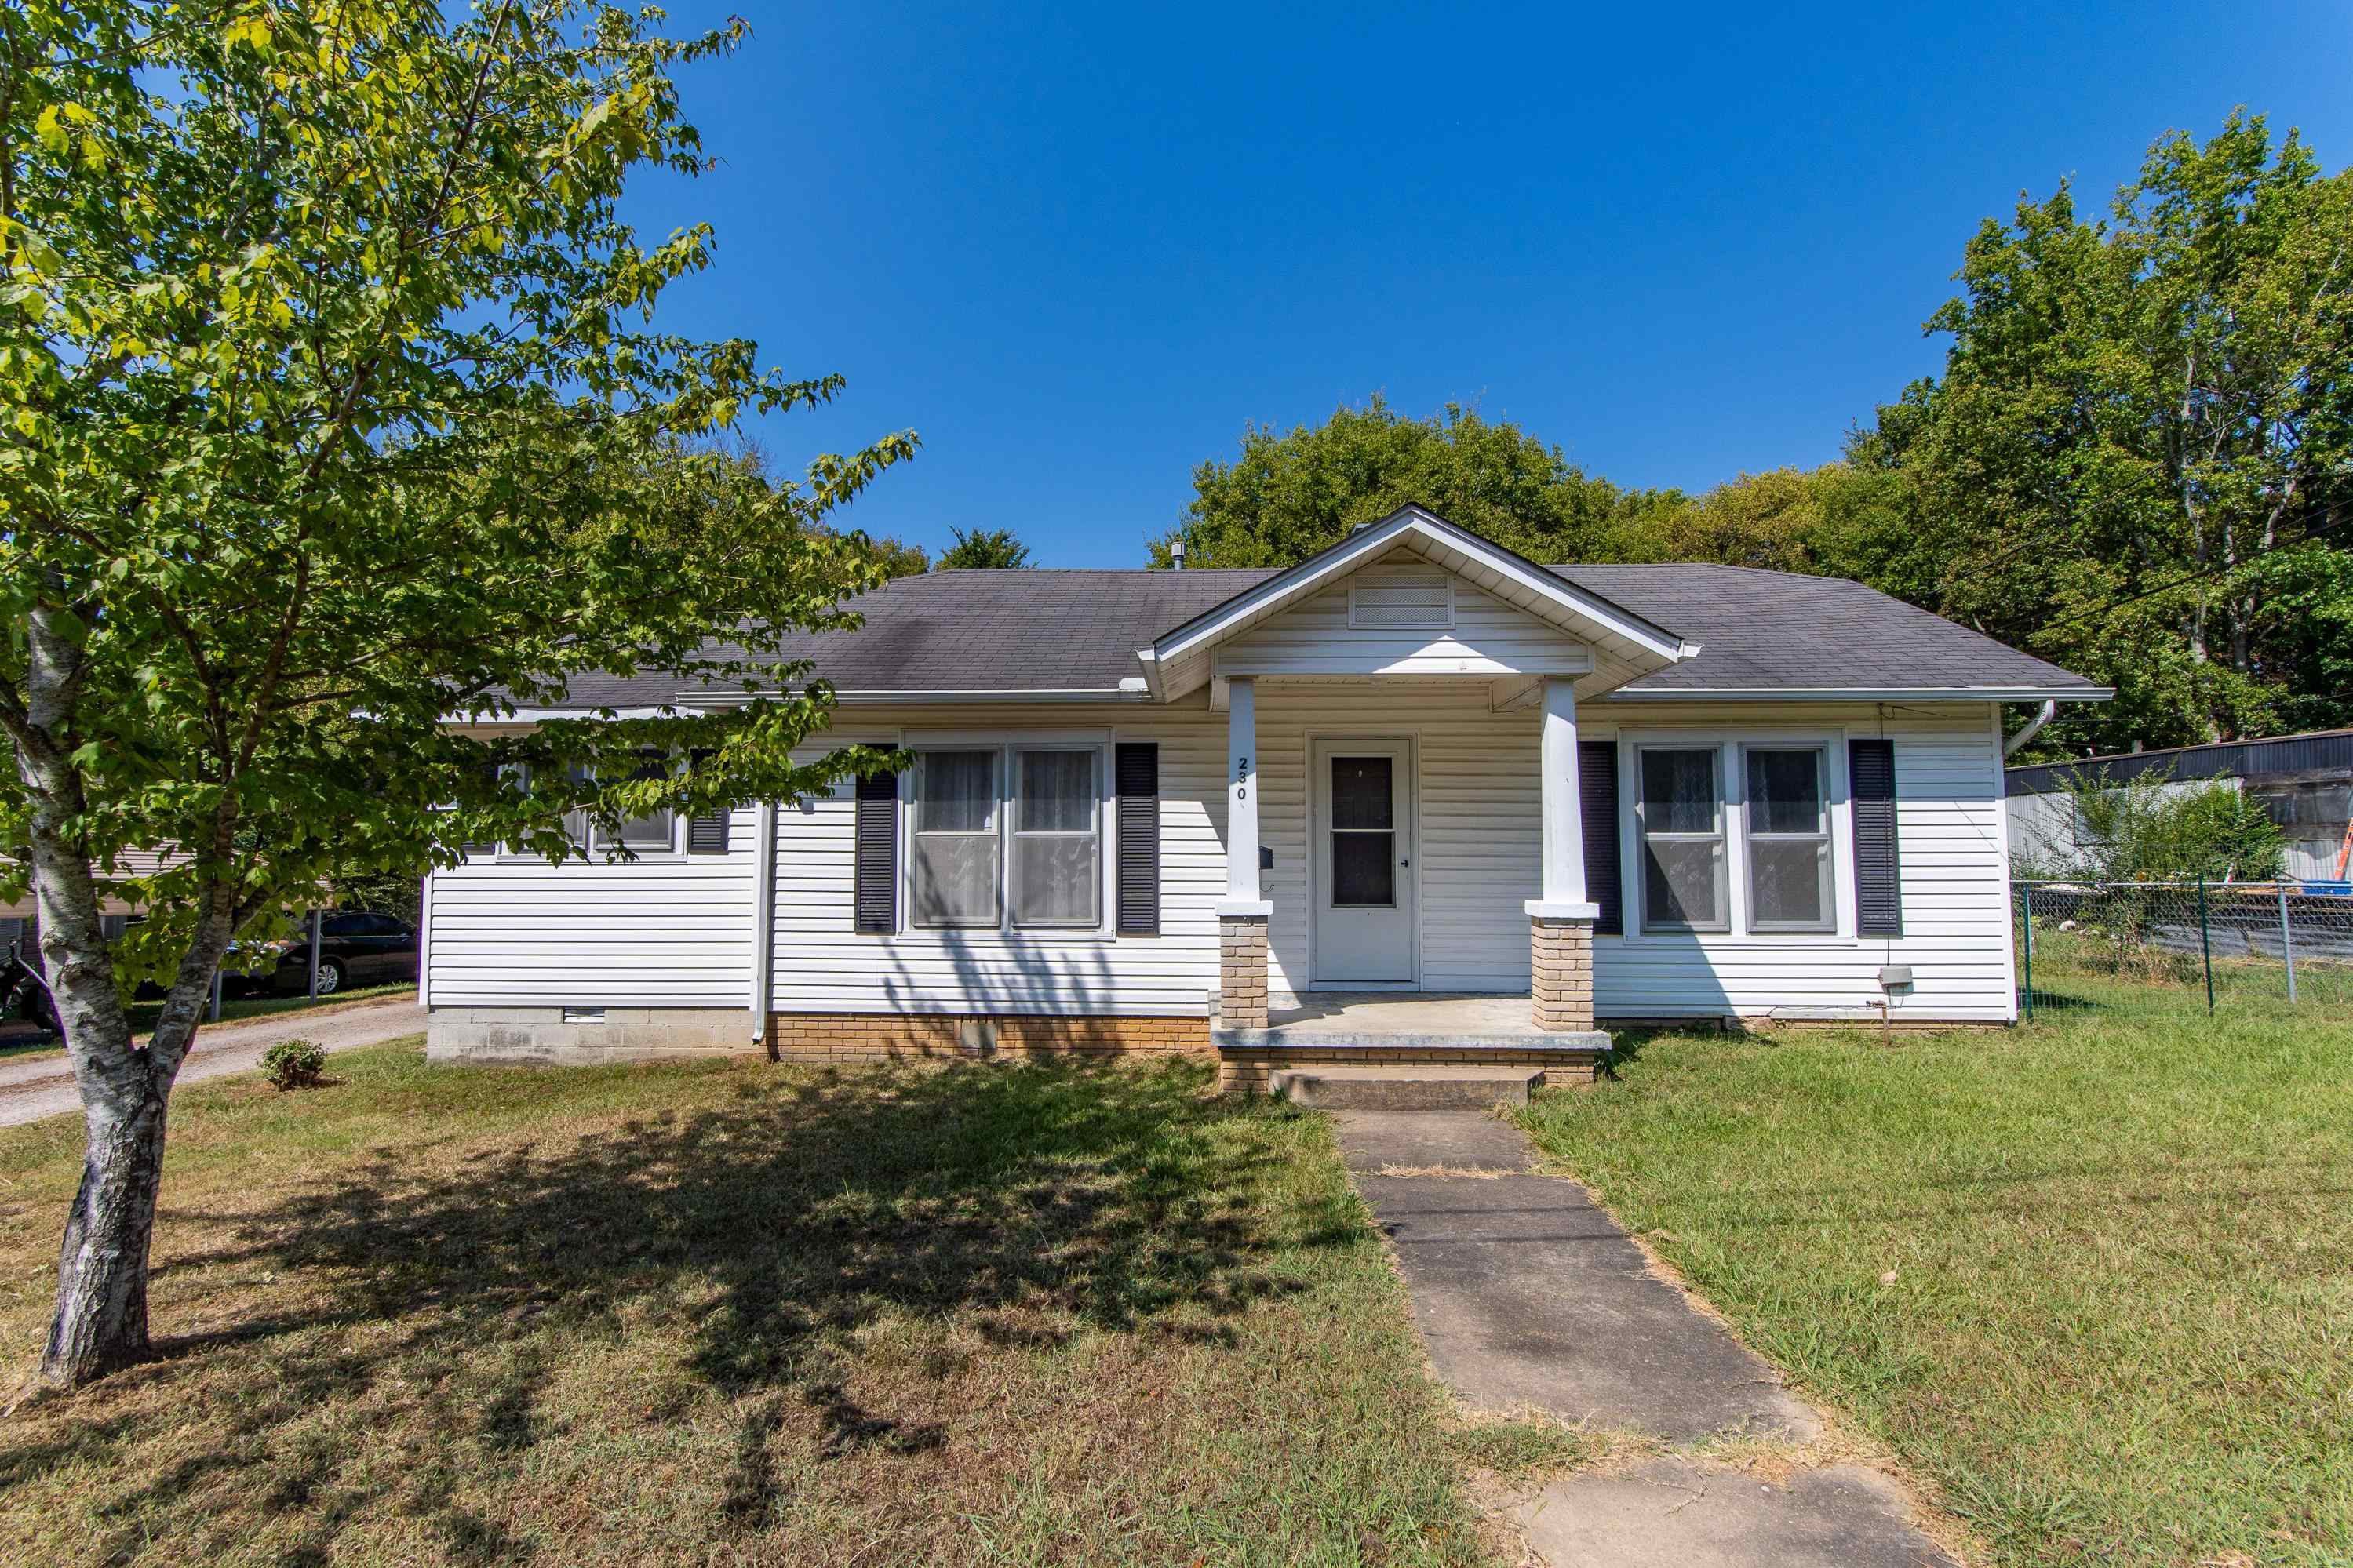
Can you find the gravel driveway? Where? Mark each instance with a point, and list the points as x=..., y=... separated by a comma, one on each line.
x=32, y=1089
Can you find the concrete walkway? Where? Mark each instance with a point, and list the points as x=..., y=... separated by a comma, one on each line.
x=42, y=1086
x=1531, y=1299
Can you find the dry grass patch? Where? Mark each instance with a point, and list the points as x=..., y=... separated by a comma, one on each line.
x=733, y=1312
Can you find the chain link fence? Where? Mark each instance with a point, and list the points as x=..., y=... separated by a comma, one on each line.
x=2149, y=947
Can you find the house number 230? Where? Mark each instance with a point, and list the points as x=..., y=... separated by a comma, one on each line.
x=1241, y=778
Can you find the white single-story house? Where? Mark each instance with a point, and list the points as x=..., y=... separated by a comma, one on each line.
x=1218, y=810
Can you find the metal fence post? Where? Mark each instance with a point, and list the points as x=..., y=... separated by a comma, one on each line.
x=2287, y=942
x=2026, y=941
x=314, y=955
x=2206, y=945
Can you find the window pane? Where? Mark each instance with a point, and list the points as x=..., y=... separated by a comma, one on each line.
x=957, y=792
x=647, y=832
x=1057, y=880
x=1678, y=790
x=1361, y=796
x=955, y=879
x=1789, y=884
x=1785, y=791
x=1364, y=869
x=1683, y=882
x=1058, y=792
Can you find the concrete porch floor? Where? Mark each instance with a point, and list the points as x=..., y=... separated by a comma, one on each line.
x=1480, y=1014
x=1378, y=1021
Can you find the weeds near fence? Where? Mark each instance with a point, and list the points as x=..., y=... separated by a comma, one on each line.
x=2147, y=947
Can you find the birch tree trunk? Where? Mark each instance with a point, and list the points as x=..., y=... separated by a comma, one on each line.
x=100, y=1322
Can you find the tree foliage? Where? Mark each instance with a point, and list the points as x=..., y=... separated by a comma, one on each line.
x=992, y=550
x=2137, y=459
x=337, y=404
x=1287, y=496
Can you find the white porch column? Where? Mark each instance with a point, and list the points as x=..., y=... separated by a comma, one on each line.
x=1563, y=815
x=1241, y=793
x=1242, y=916
x=1560, y=923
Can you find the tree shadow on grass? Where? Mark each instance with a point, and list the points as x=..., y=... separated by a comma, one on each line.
x=1023, y=1205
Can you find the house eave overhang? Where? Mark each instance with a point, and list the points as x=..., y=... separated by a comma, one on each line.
x=1863, y=694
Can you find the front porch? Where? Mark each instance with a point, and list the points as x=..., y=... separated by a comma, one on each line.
x=1397, y=1047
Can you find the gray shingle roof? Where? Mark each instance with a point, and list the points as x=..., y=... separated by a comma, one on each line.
x=1044, y=630
x=1784, y=630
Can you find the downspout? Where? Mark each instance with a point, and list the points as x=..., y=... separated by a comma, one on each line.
x=2043, y=716
x=764, y=921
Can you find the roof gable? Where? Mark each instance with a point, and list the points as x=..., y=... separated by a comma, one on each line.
x=1626, y=645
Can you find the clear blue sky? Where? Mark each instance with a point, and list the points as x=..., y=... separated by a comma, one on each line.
x=1078, y=248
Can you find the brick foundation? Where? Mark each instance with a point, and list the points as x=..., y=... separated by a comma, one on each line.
x=1561, y=954
x=899, y=1036
x=1241, y=971
x=1241, y=1070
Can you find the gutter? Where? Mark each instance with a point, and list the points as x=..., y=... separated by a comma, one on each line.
x=1865, y=694
x=764, y=919
x=2049, y=711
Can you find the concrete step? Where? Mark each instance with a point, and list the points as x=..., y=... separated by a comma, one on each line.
x=1436, y=1086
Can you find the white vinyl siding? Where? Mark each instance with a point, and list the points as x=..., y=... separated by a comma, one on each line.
x=1326, y=635
x=1955, y=868
x=821, y=964
x=675, y=932
x=679, y=933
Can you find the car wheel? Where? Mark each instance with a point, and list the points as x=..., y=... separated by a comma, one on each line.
x=331, y=976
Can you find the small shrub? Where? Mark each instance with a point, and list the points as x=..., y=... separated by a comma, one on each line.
x=293, y=1064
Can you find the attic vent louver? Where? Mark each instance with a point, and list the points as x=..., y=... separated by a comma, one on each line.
x=1419, y=599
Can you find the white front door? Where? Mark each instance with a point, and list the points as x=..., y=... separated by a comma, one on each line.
x=1363, y=792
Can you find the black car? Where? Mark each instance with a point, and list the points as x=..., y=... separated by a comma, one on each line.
x=356, y=948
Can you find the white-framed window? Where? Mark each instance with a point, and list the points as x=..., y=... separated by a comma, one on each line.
x=1679, y=830
x=952, y=872
x=655, y=834
x=1007, y=834
x=650, y=838
x=1786, y=811
x=1402, y=599
x=1058, y=836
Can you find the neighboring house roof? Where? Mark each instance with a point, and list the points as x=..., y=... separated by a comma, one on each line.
x=1040, y=634
x=2316, y=752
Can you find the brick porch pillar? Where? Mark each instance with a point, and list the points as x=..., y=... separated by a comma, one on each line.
x=1241, y=971
x=1560, y=953
x=1560, y=924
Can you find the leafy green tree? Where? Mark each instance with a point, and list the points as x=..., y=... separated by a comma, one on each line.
x=1285, y=497
x=994, y=550
x=2137, y=460
x=336, y=407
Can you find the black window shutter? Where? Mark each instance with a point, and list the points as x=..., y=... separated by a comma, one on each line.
x=1136, y=772
x=1597, y=789
x=1878, y=878
x=877, y=873
x=706, y=835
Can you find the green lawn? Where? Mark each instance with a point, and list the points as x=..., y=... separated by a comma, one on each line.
x=2092, y=1278
x=730, y=1312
